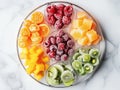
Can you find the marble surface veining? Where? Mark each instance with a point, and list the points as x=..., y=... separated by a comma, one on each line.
x=12, y=75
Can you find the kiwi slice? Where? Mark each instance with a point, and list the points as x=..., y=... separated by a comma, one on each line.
x=76, y=55
x=68, y=83
x=94, y=53
x=83, y=50
x=67, y=76
x=88, y=68
x=82, y=71
x=86, y=58
x=52, y=72
x=52, y=81
x=76, y=64
x=68, y=67
x=59, y=68
x=95, y=61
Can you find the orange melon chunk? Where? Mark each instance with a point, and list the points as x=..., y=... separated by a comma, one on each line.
x=87, y=24
x=83, y=41
x=77, y=23
x=92, y=35
x=97, y=40
x=81, y=15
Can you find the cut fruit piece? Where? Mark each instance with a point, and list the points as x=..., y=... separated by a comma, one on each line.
x=25, y=31
x=39, y=76
x=44, y=30
x=94, y=53
x=68, y=67
x=76, y=23
x=86, y=58
x=37, y=17
x=87, y=24
x=75, y=56
x=23, y=44
x=52, y=73
x=67, y=76
x=45, y=59
x=34, y=28
x=68, y=83
x=59, y=68
x=76, y=64
x=92, y=35
x=52, y=81
x=81, y=15
x=82, y=71
x=36, y=38
x=23, y=38
x=84, y=50
x=75, y=34
x=27, y=23
x=97, y=40
x=83, y=41
x=80, y=58
x=88, y=68
x=95, y=61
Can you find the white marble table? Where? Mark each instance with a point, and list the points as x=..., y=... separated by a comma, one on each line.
x=12, y=75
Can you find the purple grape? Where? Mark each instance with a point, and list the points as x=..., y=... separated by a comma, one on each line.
x=65, y=37
x=70, y=52
x=70, y=43
x=59, y=39
x=64, y=57
x=60, y=52
x=52, y=40
x=57, y=58
x=53, y=47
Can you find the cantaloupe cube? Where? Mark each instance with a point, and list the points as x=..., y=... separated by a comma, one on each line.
x=97, y=40
x=83, y=41
x=46, y=66
x=45, y=59
x=92, y=35
x=87, y=24
x=30, y=68
x=77, y=23
x=39, y=75
x=81, y=15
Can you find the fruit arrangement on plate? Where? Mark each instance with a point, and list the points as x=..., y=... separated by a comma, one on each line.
x=60, y=44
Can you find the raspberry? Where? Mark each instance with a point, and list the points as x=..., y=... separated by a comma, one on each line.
x=66, y=20
x=61, y=46
x=47, y=50
x=58, y=24
x=57, y=58
x=53, y=47
x=59, y=39
x=60, y=7
x=51, y=9
x=51, y=19
x=64, y=57
x=47, y=43
x=68, y=10
x=58, y=14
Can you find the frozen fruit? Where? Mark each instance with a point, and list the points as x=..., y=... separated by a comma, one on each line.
x=59, y=39
x=58, y=14
x=52, y=40
x=68, y=10
x=47, y=43
x=51, y=9
x=70, y=52
x=53, y=47
x=64, y=57
x=65, y=37
x=58, y=24
x=59, y=52
x=61, y=46
x=70, y=43
x=52, y=54
x=37, y=17
x=60, y=7
x=34, y=28
x=66, y=20
x=60, y=33
x=51, y=19
x=57, y=58
x=47, y=50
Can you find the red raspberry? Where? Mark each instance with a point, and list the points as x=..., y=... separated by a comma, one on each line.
x=58, y=24
x=59, y=39
x=60, y=7
x=61, y=46
x=51, y=9
x=66, y=20
x=51, y=19
x=64, y=57
x=68, y=10
x=52, y=54
x=58, y=14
